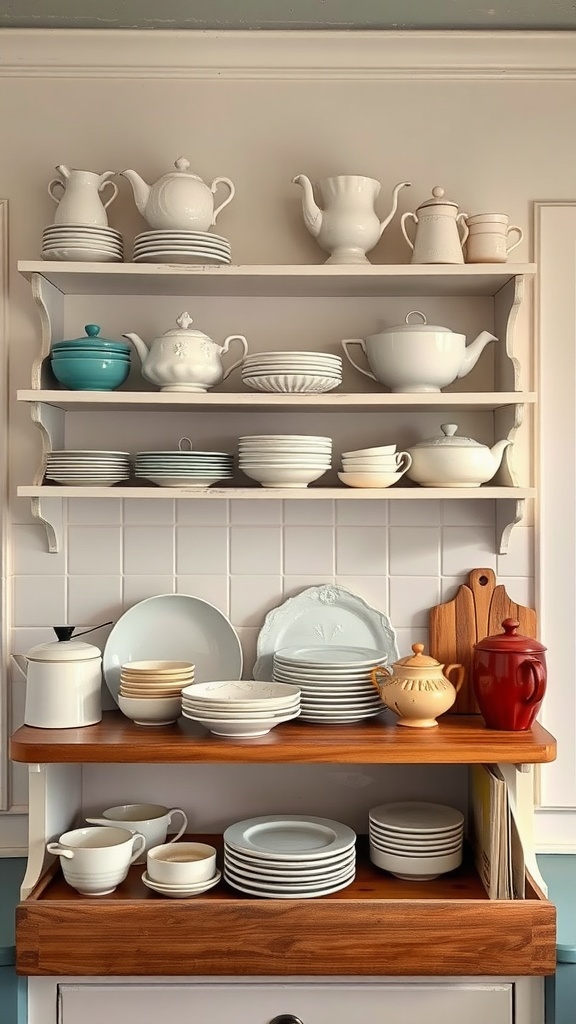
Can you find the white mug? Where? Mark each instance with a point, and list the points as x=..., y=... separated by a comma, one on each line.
x=184, y=864
x=149, y=820
x=488, y=236
x=95, y=860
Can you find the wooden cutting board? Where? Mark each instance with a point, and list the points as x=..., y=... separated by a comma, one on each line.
x=478, y=610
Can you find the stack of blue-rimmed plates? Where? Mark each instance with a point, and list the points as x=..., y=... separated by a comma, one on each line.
x=177, y=468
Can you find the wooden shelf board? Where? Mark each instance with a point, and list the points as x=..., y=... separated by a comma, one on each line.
x=149, y=401
x=377, y=925
x=305, y=280
x=458, y=739
x=278, y=493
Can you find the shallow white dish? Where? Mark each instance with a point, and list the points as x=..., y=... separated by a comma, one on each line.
x=171, y=256
x=370, y=479
x=287, y=887
x=150, y=710
x=282, y=871
x=383, y=449
x=239, y=729
x=175, y=627
x=301, y=895
x=180, y=892
x=417, y=816
x=423, y=868
x=328, y=658
x=199, y=483
x=330, y=613
x=291, y=383
x=238, y=692
x=81, y=255
x=288, y=476
x=295, y=837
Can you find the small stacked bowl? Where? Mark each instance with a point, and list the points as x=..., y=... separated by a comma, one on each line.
x=184, y=467
x=82, y=243
x=292, y=372
x=374, y=467
x=77, y=468
x=335, y=682
x=416, y=841
x=240, y=707
x=90, y=363
x=284, y=460
x=150, y=691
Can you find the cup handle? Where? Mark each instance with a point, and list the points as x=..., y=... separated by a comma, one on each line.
x=235, y=337
x=214, y=186
x=52, y=184
x=375, y=674
x=461, y=222
x=357, y=341
x=137, y=840
x=535, y=670
x=60, y=851
x=459, y=673
x=403, y=220
x=404, y=462
x=114, y=192
x=513, y=227
x=181, y=831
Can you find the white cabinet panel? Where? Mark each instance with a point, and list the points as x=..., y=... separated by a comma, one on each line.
x=406, y=1002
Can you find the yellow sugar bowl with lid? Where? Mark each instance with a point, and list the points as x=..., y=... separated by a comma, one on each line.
x=418, y=688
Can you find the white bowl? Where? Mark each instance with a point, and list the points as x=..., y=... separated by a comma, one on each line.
x=417, y=868
x=241, y=730
x=370, y=479
x=150, y=710
x=383, y=449
x=288, y=476
x=156, y=668
x=292, y=383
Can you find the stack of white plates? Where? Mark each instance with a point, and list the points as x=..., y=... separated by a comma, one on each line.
x=181, y=246
x=335, y=682
x=82, y=243
x=289, y=857
x=242, y=707
x=416, y=840
x=284, y=460
x=87, y=468
x=178, y=468
x=292, y=371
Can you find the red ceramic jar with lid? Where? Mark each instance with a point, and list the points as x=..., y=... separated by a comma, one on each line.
x=509, y=678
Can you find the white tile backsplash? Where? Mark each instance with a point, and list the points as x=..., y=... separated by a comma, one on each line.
x=414, y=551
x=30, y=555
x=201, y=513
x=252, y=597
x=251, y=513
x=147, y=510
x=94, y=599
x=372, y=589
x=255, y=550
x=148, y=550
x=214, y=589
x=39, y=600
x=464, y=549
x=139, y=588
x=362, y=551
x=362, y=513
x=519, y=559
x=411, y=598
x=423, y=512
x=308, y=513
x=201, y=549
x=87, y=512
x=308, y=549
x=94, y=550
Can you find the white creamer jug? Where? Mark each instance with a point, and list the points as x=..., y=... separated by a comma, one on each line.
x=63, y=682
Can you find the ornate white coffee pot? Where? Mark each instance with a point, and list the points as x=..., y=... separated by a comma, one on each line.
x=440, y=230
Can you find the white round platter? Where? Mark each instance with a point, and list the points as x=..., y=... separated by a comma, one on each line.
x=288, y=871
x=335, y=887
x=81, y=255
x=417, y=816
x=288, y=887
x=184, y=234
x=327, y=658
x=241, y=690
x=176, y=481
x=171, y=256
x=286, y=714
x=292, y=836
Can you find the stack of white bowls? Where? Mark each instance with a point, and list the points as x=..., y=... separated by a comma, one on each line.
x=415, y=840
x=82, y=243
x=179, y=468
x=289, y=856
x=78, y=468
x=374, y=467
x=181, y=246
x=335, y=682
x=297, y=372
x=284, y=460
x=150, y=691
x=240, y=707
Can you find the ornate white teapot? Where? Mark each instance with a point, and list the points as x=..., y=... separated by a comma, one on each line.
x=440, y=230
x=179, y=200
x=185, y=360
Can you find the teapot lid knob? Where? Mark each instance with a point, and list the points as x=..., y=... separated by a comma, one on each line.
x=438, y=192
x=449, y=429
x=184, y=321
x=181, y=164
x=438, y=198
x=92, y=330
x=64, y=632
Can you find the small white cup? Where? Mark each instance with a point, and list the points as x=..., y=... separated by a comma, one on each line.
x=181, y=863
x=95, y=860
x=488, y=238
x=149, y=820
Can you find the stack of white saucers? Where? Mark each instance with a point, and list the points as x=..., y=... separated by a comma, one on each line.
x=374, y=467
x=284, y=460
x=292, y=371
x=182, y=246
x=178, y=468
x=289, y=856
x=240, y=707
x=87, y=468
x=82, y=243
x=416, y=840
x=335, y=682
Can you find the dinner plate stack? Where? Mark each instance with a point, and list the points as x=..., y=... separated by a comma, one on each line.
x=289, y=856
x=284, y=460
x=179, y=468
x=82, y=243
x=182, y=246
x=415, y=840
x=335, y=682
x=298, y=372
x=242, y=707
x=87, y=468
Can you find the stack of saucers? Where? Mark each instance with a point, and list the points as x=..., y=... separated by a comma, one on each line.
x=299, y=372
x=82, y=243
x=240, y=707
x=416, y=841
x=289, y=856
x=150, y=691
x=179, y=468
x=374, y=467
x=181, y=246
x=78, y=468
x=284, y=460
x=335, y=682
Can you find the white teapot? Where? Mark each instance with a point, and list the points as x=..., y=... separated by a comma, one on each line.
x=440, y=230
x=185, y=360
x=179, y=200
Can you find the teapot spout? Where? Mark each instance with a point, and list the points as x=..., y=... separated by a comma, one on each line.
x=398, y=188
x=140, y=189
x=312, y=212
x=473, y=352
x=140, y=346
x=497, y=451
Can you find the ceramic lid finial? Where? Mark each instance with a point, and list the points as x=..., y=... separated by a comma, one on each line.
x=184, y=320
x=181, y=164
x=438, y=192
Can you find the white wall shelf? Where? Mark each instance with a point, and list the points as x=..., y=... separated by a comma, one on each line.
x=284, y=493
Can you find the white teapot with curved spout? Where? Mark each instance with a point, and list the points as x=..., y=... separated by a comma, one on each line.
x=185, y=360
x=179, y=200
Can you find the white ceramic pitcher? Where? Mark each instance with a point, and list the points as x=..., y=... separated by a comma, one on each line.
x=440, y=230
x=80, y=202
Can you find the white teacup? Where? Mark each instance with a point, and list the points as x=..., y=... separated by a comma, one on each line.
x=181, y=864
x=95, y=860
x=150, y=820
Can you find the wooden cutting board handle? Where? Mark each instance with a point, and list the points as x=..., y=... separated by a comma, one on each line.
x=478, y=610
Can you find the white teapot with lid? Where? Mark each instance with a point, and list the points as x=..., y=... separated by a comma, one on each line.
x=179, y=200
x=440, y=230
x=183, y=359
